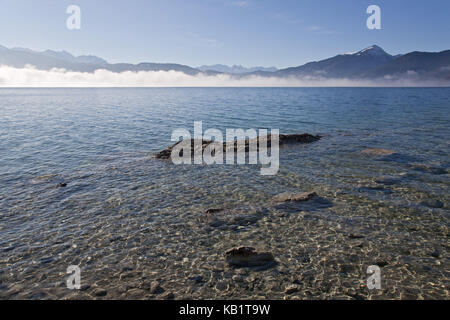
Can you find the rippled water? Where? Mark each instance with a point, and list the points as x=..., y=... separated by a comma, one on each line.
x=129, y=220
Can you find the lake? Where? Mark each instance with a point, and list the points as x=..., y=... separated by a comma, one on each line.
x=80, y=186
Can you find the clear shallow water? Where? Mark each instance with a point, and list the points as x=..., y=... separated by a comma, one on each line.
x=128, y=219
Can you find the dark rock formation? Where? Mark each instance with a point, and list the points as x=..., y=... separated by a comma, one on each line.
x=296, y=202
x=294, y=197
x=433, y=204
x=248, y=257
x=284, y=139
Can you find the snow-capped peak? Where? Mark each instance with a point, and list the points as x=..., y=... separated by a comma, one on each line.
x=372, y=50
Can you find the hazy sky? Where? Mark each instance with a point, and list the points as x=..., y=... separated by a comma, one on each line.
x=248, y=32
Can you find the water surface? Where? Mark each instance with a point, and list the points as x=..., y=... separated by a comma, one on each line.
x=127, y=219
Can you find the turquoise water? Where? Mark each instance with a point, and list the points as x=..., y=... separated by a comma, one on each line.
x=128, y=219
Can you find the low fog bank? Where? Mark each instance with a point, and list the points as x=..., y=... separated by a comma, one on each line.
x=31, y=77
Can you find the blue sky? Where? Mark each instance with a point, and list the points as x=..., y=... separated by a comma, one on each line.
x=249, y=32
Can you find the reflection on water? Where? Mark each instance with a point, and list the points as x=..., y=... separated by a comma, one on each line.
x=79, y=186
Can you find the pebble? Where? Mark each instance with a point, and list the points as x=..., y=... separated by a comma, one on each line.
x=291, y=289
x=382, y=264
x=221, y=286
x=155, y=288
x=168, y=296
x=100, y=292
x=197, y=279
x=85, y=287
x=435, y=254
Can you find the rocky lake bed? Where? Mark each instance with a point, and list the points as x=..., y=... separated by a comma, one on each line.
x=82, y=185
x=292, y=245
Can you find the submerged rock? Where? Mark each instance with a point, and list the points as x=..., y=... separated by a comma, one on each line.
x=100, y=292
x=296, y=202
x=372, y=186
x=429, y=169
x=212, y=211
x=168, y=296
x=433, y=204
x=284, y=139
x=298, y=138
x=378, y=152
x=389, y=181
x=382, y=263
x=248, y=257
x=230, y=218
x=295, y=197
x=355, y=236
x=436, y=254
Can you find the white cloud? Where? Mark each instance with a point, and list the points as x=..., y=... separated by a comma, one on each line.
x=31, y=77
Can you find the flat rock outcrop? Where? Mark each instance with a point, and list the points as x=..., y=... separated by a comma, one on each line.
x=284, y=139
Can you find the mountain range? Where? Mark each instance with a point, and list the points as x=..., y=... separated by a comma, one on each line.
x=370, y=63
x=46, y=60
x=374, y=63
x=235, y=69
